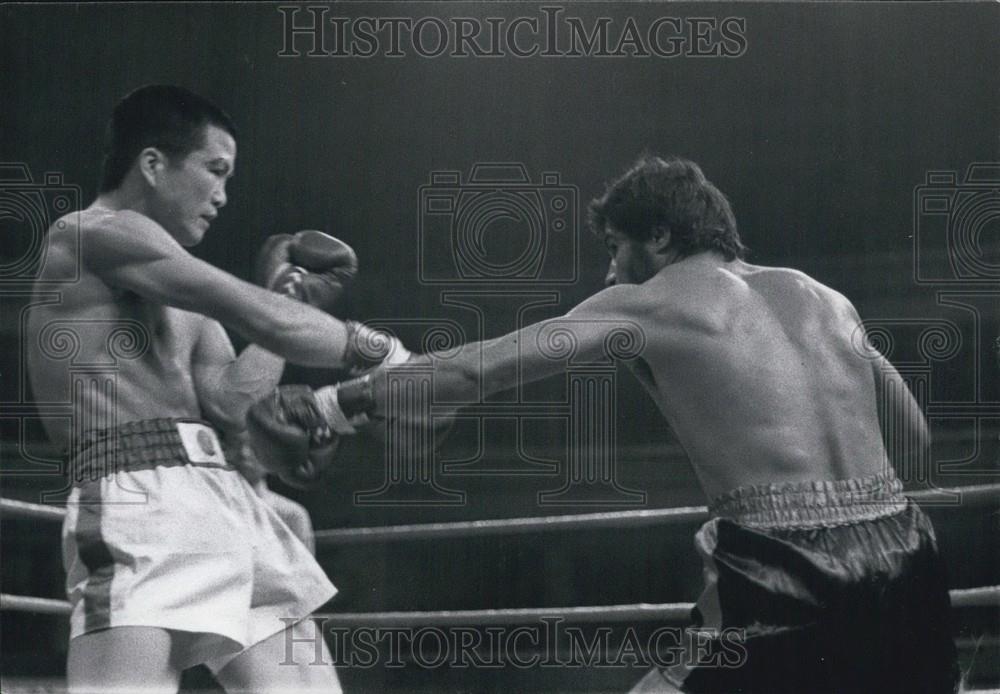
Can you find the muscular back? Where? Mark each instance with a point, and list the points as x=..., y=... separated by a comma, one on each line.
x=116, y=356
x=757, y=371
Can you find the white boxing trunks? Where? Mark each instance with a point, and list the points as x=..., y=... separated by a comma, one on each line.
x=162, y=532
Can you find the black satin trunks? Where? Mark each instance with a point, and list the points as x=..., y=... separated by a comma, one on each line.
x=831, y=586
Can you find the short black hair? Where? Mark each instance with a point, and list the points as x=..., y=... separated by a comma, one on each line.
x=164, y=116
x=673, y=194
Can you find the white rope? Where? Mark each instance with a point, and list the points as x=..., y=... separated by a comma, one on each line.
x=971, y=496
x=984, y=596
x=22, y=509
x=674, y=612
x=23, y=603
x=511, y=526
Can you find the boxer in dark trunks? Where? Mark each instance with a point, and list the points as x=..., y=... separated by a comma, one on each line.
x=764, y=375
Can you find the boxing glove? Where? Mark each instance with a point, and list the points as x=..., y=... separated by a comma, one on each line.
x=290, y=436
x=310, y=266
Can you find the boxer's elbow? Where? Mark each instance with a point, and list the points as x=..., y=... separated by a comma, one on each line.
x=227, y=412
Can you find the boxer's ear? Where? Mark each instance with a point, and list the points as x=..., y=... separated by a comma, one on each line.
x=660, y=238
x=151, y=162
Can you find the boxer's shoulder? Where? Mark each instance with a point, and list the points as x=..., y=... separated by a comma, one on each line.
x=619, y=301
x=122, y=231
x=114, y=240
x=784, y=280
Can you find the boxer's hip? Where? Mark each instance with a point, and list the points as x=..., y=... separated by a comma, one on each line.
x=829, y=585
x=786, y=554
x=817, y=503
x=161, y=531
x=144, y=445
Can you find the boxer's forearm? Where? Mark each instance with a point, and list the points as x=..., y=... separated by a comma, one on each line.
x=536, y=351
x=476, y=371
x=244, y=381
x=298, y=332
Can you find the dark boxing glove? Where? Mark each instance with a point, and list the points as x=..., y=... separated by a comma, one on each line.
x=290, y=436
x=310, y=266
x=331, y=264
x=274, y=269
x=366, y=401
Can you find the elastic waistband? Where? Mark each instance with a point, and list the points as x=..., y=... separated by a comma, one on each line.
x=143, y=445
x=814, y=503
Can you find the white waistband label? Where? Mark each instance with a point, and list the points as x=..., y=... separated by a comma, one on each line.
x=200, y=443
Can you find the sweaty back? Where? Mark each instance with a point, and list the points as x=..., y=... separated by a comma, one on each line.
x=757, y=370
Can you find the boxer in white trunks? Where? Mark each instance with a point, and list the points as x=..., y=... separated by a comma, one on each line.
x=172, y=559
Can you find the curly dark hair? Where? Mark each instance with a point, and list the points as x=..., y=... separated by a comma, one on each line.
x=672, y=194
x=165, y=116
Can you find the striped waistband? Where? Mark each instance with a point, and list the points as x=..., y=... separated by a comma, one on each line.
x=143, y=445
x=815, y=503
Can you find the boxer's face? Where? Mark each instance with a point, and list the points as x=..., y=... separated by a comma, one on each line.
x=632, y=262
x=192, y=189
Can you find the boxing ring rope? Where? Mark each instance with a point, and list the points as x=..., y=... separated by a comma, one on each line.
x=12, y=508
x=23, y=603
x=677, y=612
x=969, y=496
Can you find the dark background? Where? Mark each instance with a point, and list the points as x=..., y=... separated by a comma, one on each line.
x=819, y=134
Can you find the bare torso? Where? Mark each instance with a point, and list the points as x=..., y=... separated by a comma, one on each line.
x=82, y=350
x=756, y=371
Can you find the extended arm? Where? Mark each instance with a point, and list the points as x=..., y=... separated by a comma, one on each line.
x=130, y=251
x=600, y=329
